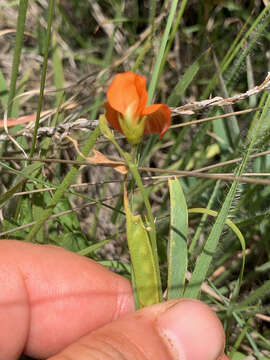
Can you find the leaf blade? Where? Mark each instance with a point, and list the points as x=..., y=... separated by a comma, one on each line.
x=177, y=247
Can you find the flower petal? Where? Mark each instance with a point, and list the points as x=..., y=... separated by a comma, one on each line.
x=128, y=92
x=112, y=117
x=140, y=83
x=158, y=119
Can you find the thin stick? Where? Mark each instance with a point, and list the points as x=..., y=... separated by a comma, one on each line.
x=182, y=173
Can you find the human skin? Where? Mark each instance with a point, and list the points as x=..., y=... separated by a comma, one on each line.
x=62, y=306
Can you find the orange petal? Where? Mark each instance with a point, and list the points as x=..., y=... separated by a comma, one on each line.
x=128, y=91
x=140, y=83
x=158, y=119
x=112, y=117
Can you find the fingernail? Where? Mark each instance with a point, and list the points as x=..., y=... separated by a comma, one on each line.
x=191, y=331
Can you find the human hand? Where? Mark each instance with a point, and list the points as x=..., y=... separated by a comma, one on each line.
x=58, y=304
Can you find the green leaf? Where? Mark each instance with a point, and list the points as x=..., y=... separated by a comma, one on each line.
x=160, y=56
x=11, y=224
x=58, y=71
x=51, y=6
x=17, y=53
x=3, y=91
x=70, y=220
x=90, y=249
x=37, y=209
x=238, y=233
x=72, y=241
x=32, y=169
x=177, y=251
x=8, y=194
x=73, y=238
x=183, y=83
x=256, y=295
x=238, y=356
x=221, y=134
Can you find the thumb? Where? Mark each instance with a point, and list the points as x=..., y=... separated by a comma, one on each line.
x=183, y=329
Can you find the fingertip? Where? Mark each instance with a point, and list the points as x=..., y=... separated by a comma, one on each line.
x=191, y=330
x=180, y=329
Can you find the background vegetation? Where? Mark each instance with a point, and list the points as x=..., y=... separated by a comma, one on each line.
x=57, y=60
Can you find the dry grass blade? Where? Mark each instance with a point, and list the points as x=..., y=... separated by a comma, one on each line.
x=13, y=31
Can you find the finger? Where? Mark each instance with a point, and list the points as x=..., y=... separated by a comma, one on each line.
x=50, y=297
x=185, y=329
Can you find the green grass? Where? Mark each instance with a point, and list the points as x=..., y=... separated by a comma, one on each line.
x=62, y=58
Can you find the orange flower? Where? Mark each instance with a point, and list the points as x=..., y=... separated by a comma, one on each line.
x=126, y=109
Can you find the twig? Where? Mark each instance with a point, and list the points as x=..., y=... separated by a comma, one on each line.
x=180, y=173
x=189, y=109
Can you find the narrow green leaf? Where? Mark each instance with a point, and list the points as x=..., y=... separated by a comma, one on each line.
x=37, y=205
x=221, y=133
x=17, y=100
x=173, y=34
x=238, y=356
x=43, y=73
x=3, y=91
x=58, y=71
x=90, y=249
x=17, y=53
x=69, y=221
x=231, y=124
x=183, y=83
x=259, y=293
x=238, y=233
x=177, y=251
x=31, y=169
x=158, y=64
x=8, y=194
x=203, y=219
x=204, y=260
